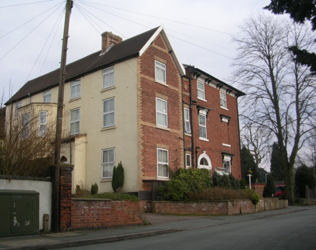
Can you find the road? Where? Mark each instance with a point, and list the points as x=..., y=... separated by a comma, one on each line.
x=288, y=231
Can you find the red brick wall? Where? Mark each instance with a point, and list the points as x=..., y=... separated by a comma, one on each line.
x=258, y=188
x=218, y=132
x=151, y=137
x=218, y=207
x=89, y=213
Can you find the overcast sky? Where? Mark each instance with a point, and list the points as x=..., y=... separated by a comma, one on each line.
x=200, y=32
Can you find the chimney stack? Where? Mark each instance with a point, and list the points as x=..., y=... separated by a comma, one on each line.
x=108, y=39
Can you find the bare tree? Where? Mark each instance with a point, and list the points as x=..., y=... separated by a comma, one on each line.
x=255, y=139
x=281, y=95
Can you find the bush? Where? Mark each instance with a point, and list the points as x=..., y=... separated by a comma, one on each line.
x=252, y=195
x=113, y=196
x=174, y=190
x=219, y=193
x=197, y=179
x=303, y=176
x=118, y=177
x=269, y=189
x=183, y=182
x=242, y=184
x=94, y=189
x=225, y=181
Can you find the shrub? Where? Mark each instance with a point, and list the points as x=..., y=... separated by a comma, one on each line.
x=303, y=176
x=94, y=189
x=197, y=179
x=225, y=181
x=174, y=190
x=269, y=189
x=220, y=193
x=242, y=184
x=252, y=195
x=113, y=196
x=118, y=177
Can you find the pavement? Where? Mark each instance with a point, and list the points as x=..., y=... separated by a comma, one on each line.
x=156, y=224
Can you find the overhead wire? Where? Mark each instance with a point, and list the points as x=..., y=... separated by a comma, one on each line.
x=27, y=35
x=14, y=5
x=196, y=26
x=56, y=29
x=63, y=11
x=58, y=5
x=169, y=34
x=87, y=17
x=104, y=22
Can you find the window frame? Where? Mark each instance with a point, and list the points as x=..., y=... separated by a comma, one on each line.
x=188, y=157
x=47, y=94
x=203, y=126
x=75, y=122
x=160, y=66
x=105, y=113
x=199, y=90
x=17, y=106
x=107, y=72
x=108, y=162
x=73, y=86
x=227, y=158
x=187, y=121
x=223, y=101
x=161, y=163
x=162, y=112
x=42, y=124
x=25, y=133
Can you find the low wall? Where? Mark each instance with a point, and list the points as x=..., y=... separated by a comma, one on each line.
x=41, y=185
x=97, y=213
x=217, y=207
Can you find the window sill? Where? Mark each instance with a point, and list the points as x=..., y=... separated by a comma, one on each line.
x=203, y=139
x=75, y=99
x=202, y=99
x=224, y=108
x=108, y=88
x=109, y=179
x=187, y=134
x=108, y=128
x=162, y=178
x=163, y=128
x=226, y=145
x=162, y=83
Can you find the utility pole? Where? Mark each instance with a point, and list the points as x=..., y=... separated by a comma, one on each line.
x=62, y=76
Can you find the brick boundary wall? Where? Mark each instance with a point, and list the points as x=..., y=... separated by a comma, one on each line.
x=97, y=213
x=218, y=207
x=93, y=213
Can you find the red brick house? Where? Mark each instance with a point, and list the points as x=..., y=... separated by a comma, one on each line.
x=211, y=123
x=134, y=102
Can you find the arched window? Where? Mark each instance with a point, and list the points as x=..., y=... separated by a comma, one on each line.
x=204, y=161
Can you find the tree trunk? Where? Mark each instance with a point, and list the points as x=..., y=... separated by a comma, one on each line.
x=289, y=183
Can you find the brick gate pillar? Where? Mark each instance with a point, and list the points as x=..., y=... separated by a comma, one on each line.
x=65, y=196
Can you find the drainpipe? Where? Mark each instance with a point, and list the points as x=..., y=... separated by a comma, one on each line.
x=239, y=137
x=183, y=125
x=191, y=123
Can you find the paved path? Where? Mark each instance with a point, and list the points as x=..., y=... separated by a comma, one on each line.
x=157, y=224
